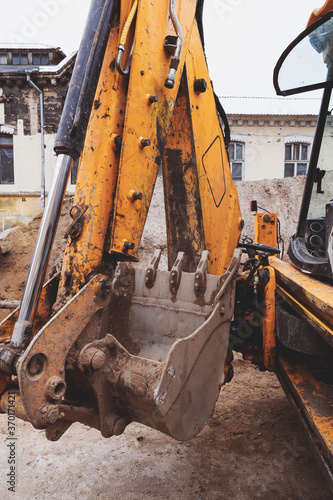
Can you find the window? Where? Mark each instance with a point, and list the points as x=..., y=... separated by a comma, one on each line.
x=3, y=58
x=236, y=155
x=6, y=160
x=21, y=58
x=42, y=59
x=296, y=159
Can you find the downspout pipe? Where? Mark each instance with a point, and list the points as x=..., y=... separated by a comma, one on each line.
x=41, y=102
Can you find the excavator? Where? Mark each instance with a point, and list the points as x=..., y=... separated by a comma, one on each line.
x=108, y=341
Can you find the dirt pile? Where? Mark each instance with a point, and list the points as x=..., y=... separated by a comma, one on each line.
x=283, y=196
x=14, y=265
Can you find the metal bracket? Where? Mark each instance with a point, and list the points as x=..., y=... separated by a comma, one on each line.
x=76, y=226
x=152, y=268
x=41, y=369
x=176, y=273
x=170, y=44
x=200, y=277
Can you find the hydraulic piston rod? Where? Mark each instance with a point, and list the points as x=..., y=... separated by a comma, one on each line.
x=42, y=251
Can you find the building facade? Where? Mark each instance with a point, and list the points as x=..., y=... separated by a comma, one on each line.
x=31, y=76
x=270, y=146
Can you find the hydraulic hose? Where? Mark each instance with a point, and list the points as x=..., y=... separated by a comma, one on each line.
x=170, y=81
x=123, y=38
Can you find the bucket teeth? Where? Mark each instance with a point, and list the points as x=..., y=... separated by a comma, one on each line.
x=152, y=268
x=176, y=273
x=200, y=277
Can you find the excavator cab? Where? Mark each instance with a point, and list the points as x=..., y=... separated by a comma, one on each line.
x=304, y=312
x=307, y=64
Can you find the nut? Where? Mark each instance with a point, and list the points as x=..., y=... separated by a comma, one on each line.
x=152, y=98
x=200, y=85
x=52, y=416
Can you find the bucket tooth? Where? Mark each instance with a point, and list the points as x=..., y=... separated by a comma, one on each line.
x=176, y=273
x=200, y=277
x=152, y=268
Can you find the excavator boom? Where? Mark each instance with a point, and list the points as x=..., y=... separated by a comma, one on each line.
x=120, y=343
x=110, y=341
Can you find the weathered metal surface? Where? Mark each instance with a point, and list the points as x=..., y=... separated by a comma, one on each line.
x=268, y=322
x=219, y=199
x=12, y=399
x=181, y=186
x=149, y=69
x=294, y=333
x=41, y=370
x=98, y=170
x=265, y=229
x=313, y=402
x=114, y=165
x=173, y=384
x=48, y=296
x=310, y=298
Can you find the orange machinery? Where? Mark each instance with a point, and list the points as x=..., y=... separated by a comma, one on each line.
x=107, y=341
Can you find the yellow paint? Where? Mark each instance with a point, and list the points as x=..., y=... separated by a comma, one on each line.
x=315, y=399
x=268, y=322
x=318, y=13
x=107, y=178
x=98, y=170
x=219, y=198
x=149, y=70
x=265, y=231
x=312, y=294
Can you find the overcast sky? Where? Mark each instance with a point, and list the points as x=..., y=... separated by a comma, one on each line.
x=244, y=38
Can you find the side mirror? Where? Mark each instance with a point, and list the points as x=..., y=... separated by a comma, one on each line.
x=307, y=64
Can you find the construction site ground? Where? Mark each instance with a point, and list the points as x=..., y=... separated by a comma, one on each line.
x=252, y=446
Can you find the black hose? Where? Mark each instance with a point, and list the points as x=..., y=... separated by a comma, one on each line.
x=80, y=96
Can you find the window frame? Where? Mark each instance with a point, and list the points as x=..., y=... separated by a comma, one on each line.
x=40, y=55
x=11, y=147
x=296, y=159
x=4, y=55
x=19, y=55
x=234, y=160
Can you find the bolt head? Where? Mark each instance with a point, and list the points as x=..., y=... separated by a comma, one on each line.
x=53, y=416
x=145, y=143
x=119, y=426
x=200, y=85
x=98, y=360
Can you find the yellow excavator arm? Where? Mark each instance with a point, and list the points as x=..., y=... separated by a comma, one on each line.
x=109, y=341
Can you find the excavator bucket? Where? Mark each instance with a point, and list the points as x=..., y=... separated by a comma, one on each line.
x=151, y=348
